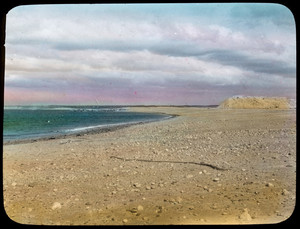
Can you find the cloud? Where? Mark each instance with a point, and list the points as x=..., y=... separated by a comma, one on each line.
x=250, y=63
x=109, y=51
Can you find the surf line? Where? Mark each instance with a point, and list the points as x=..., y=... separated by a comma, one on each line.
x=178, y=162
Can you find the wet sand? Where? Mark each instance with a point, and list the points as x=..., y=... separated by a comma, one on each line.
x=205, y=166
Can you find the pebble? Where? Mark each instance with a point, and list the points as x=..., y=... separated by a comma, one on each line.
x=140, y=208
x=137, y=185
x=189, y=176
x=133, y=210
x=56, y=205
x=125, y=220
x=160, y=209
x=285, y=192
x=179, y=200
x=216, y=179
x=245, y=216
x=270, y=185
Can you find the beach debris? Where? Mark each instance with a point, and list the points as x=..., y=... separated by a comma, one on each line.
x=179, y=162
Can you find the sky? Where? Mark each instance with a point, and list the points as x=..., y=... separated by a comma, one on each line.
x=148, y=54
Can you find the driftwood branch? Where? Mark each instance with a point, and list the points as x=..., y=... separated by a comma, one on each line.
x=179, y=162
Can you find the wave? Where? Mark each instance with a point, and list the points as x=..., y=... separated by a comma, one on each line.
x=86, y=128
x=67, y=108
x=80, y=129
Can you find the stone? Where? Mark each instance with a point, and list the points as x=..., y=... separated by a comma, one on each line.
x=148, y=187
x=216, y=179
x=140, y=208
x=133, y=210
x=245, y=216
x=269, y=185
x=137, y=185
x=189, y=176
x=285, y=192
x=125, y=220
x=179, y=200
x=56, y=205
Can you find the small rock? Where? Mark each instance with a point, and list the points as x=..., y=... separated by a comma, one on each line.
x=269, y=185
x=148, y=187
x=14, y=184
x=125, y=220
x=31, y=185
x=56, y=205
x=133, y=210
x=285, y=192
x=140, y=208
x=216, y=179
x=189, y=176
x=179, y=200
x=245, y=216
x=191, y=207
x=160, y=209
x=137, y=185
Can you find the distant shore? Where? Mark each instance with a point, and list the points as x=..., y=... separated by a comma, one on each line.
x=163, y=172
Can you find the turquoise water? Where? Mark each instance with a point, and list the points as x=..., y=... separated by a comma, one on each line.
x=28, y=122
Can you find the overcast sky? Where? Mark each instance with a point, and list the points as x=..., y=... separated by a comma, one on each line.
x=180, y=54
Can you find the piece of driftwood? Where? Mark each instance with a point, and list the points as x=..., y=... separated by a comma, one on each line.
x=179, y=162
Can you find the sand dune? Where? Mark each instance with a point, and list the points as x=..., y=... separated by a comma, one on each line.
x=238, y=102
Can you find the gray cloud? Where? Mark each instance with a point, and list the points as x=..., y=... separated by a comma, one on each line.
x=250, y=63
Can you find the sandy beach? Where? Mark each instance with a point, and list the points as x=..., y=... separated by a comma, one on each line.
x=204, y=166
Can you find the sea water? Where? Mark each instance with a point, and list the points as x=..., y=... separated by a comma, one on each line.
x=33, y=122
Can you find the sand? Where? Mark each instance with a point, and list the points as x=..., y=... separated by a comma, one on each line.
x=256, y=103
x=242, y=171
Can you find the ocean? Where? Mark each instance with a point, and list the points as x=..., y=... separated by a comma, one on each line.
x=34, y=122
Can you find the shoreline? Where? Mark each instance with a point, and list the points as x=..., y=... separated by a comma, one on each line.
x=86, y=131
x=159, y=173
